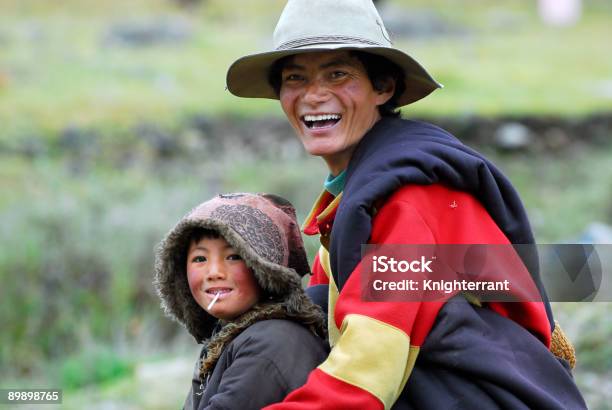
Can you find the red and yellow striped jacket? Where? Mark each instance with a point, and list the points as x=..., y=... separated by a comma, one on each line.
x=375, y=344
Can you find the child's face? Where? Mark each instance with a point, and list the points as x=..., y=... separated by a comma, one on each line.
x=213, y=266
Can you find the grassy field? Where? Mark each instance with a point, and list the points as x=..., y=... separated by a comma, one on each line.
x=86, y=194
x=59, y=63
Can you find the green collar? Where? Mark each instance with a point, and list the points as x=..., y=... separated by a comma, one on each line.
x=335, y=184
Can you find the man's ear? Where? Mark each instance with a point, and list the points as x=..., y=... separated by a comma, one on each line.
x=385, y=88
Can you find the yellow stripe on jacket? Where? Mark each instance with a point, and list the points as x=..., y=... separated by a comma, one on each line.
x=367, y=353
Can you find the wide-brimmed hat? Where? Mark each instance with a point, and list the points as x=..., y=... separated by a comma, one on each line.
x=262, y=228
x=307, y=26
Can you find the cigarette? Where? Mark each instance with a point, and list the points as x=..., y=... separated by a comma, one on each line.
x=213, y=301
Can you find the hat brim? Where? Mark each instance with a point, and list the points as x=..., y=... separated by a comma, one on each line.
x=248, y=76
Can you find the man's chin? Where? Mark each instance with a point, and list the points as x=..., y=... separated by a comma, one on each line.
x=320, y=151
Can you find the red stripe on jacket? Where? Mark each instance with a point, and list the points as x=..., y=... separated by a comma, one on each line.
x=324, y=392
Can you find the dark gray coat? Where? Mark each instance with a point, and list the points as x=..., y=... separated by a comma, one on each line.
x=268, y=351
x=259, y=367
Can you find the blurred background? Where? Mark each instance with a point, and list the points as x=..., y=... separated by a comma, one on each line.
x=114, y=122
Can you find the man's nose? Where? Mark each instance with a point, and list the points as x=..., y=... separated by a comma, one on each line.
x=316, y=92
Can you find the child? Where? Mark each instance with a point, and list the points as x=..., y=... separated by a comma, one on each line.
x=230, y=272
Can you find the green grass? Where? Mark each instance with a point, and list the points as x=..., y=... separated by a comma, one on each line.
x=96, y=366
x=50, y=76
x=563, y=192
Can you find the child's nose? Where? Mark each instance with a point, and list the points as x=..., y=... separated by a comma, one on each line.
x=215, y=271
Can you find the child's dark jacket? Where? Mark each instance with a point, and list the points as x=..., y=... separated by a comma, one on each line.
x=259, y=367
x=260, y=356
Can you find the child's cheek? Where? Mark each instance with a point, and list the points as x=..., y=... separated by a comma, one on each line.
x=194, y=281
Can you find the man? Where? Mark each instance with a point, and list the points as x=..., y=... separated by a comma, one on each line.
x=339, y=81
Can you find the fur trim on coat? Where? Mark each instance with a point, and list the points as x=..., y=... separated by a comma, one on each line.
x=264, y=231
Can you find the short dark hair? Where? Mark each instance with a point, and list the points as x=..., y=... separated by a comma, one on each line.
x=193, y=235
x=275, y=74
x=378, y=68
x=198, y=234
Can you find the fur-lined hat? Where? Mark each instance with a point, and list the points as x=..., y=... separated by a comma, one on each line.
x=264, y=231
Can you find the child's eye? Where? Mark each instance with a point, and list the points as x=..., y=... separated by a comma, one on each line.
x=234, y=257
x=198, y=259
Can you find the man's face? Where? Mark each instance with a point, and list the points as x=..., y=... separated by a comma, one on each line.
x=330, y=102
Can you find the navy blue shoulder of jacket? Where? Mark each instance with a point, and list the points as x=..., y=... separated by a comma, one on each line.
x=398, y=152
x=459, y=368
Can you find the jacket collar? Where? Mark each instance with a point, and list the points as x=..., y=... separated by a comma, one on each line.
x=320, y=220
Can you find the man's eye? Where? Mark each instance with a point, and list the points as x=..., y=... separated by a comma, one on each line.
x=292, y=78
x=234, y=257
x=198, y=259
x=338, y=74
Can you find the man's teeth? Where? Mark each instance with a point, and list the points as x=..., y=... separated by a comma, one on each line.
x=321, y=117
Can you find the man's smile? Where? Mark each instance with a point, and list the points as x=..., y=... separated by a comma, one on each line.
x=320, y=121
